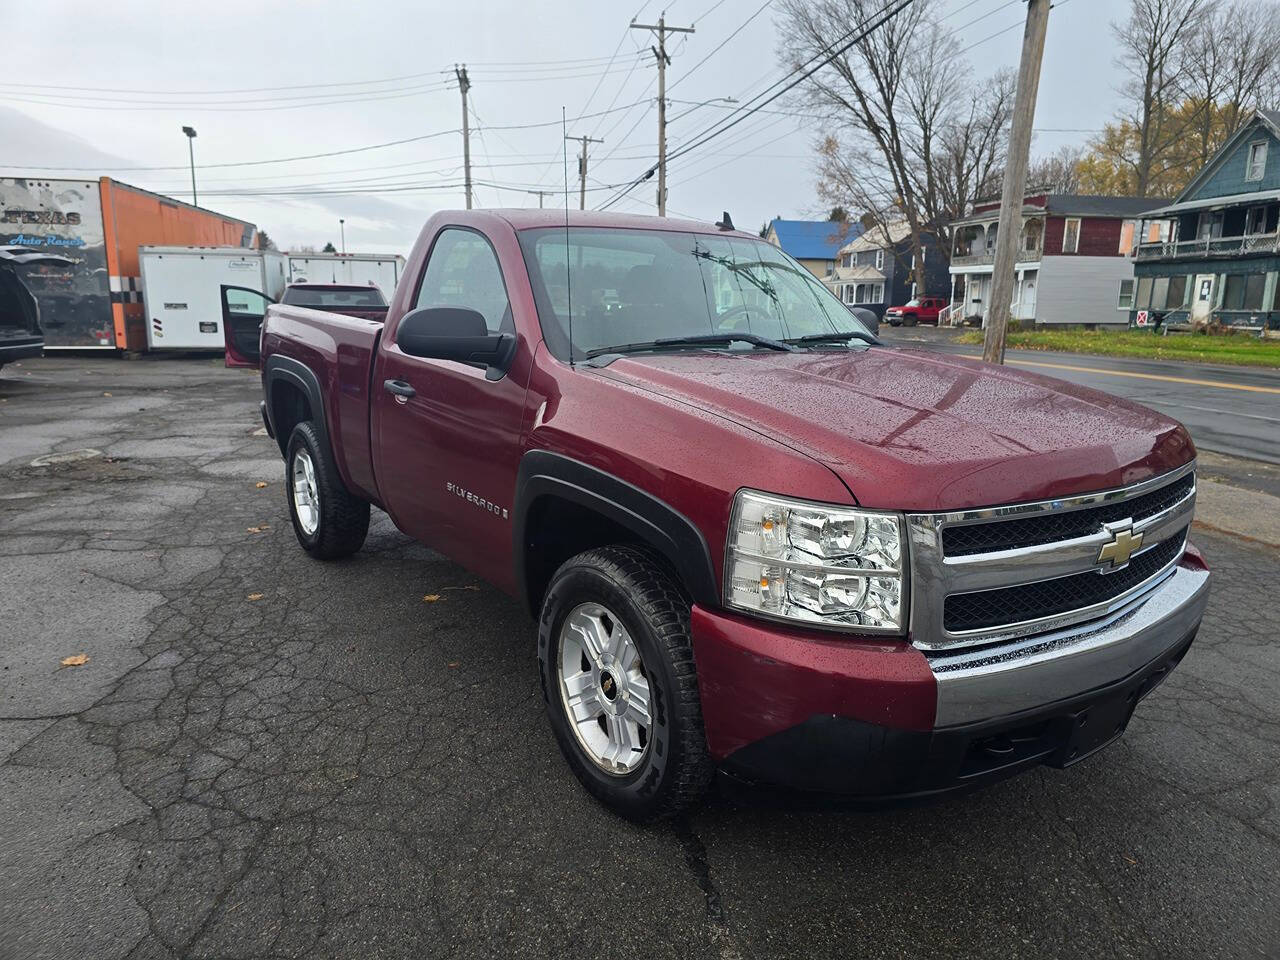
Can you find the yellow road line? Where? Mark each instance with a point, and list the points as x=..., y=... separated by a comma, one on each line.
x=1145, y=376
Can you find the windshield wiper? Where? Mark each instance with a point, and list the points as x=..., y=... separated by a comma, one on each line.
x=837, y=336
x=702, y=339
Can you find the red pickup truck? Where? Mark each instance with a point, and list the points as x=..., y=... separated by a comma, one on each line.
x=754, y=540
x=916, y=310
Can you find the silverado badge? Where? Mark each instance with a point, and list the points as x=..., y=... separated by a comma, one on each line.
x=1123, y=544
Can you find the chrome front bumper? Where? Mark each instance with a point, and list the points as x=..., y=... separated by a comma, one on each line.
x=976, y=685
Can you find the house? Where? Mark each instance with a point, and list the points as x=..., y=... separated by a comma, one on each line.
x=815, y=243
x=1221, y=259
x=1072, y=257
x=876, y=270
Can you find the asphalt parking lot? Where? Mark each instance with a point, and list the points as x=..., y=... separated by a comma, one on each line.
x=265, y=756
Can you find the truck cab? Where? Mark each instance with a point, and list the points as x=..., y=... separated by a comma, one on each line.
x=757, y=543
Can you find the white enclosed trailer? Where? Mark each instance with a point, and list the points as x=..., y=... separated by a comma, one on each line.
x=359, y=268
x=181, y=290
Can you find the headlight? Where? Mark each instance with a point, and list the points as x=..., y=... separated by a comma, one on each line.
x=818, y=564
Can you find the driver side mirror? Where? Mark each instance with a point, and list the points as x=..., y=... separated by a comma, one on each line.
x=455, y=333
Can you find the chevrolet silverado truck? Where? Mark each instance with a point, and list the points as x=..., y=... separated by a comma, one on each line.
x=755, y=541
x=916, y=310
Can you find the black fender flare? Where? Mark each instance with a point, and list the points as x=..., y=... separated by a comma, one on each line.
x=653, y=521
x=277, y=370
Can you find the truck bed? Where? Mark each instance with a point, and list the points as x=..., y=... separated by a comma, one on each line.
x=339, y=350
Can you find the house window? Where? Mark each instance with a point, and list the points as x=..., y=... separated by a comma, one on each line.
x=1243, y=292
x=1257, y=163
x=868, y=293
x=1143, y=297
x=1071, y=235
x=1125, y=301
x=1255, y=221
x=847, y=260
x=1210, y=225
x=1177, y=293
x=1159, y=293
x=879, y=259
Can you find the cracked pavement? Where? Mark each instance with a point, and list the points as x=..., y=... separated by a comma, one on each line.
x=339, y=769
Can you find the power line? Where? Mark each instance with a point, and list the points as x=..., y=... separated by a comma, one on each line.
x=309, y=156
x=716, y=49
x=784, y=84
x=534, y=66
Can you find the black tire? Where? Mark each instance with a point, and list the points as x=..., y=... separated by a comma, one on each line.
x=343, y=518
x=909, y=320
x=676, y=770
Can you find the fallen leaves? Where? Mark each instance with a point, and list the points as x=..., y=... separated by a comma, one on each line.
x=259, y=528
x=453, y=664
x=431, y=598
x=254, y=596
x=76, y=660
x=106, y=394
x=261, y=484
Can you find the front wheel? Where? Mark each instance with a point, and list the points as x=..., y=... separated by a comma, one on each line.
x=909, y=320
x=618, y=676
x=328, y=521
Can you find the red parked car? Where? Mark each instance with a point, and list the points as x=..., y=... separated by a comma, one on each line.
x=919, y=310
x=754, y=540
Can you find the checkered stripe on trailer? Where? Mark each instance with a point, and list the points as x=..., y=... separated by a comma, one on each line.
x=125, y=289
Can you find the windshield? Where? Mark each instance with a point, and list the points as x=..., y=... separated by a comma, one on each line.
x=637, y=286
x=913, y=303
x=331, y=298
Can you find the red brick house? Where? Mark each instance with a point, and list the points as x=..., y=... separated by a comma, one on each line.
x=1073, y=252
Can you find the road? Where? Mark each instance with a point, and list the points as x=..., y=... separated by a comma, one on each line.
x=1231, y=410
x=267, y=756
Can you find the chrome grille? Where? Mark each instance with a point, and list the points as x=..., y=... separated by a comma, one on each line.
x=968, y=539
x=990, y=575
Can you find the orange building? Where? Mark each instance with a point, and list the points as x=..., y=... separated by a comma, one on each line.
x=96, y=303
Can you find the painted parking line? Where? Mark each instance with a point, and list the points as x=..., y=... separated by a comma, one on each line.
x=1145, y=376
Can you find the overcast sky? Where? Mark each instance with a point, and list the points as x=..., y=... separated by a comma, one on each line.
x=111, y=85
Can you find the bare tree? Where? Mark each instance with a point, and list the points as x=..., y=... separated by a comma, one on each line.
x=865, y=92
x=1229, y=68
x=1151, y=42
x=970, y=164
x=1058, y=172
x=910, y=136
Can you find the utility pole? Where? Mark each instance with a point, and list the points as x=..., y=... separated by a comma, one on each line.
x=1015, y=180
x=660, y=54
x=342, y=226
x=464, y=85
x=541, y=194
x=582, y=170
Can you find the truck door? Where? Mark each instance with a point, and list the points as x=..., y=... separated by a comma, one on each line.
x=446, y=437
x=242, y=313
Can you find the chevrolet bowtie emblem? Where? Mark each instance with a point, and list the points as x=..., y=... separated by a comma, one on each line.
x=1123, y=544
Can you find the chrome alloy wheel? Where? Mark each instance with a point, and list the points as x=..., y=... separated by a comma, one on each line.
x=604, y=689
x=306, y=501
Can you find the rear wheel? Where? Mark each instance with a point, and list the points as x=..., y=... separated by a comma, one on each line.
x=328, y=521
x=618, y=677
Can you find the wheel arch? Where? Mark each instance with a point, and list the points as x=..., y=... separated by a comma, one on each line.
x=293, y=394
x=604, y=509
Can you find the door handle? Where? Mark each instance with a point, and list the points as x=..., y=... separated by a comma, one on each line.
x=399, y=388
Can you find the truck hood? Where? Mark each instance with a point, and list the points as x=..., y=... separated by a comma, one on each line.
x=909, y=430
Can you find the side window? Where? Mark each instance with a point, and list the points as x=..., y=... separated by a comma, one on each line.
x=463, y=272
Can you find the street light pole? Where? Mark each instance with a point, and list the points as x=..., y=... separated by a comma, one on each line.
x=191, y=151
x=342, y=227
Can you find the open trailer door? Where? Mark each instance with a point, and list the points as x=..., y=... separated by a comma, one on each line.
x=242, y=313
